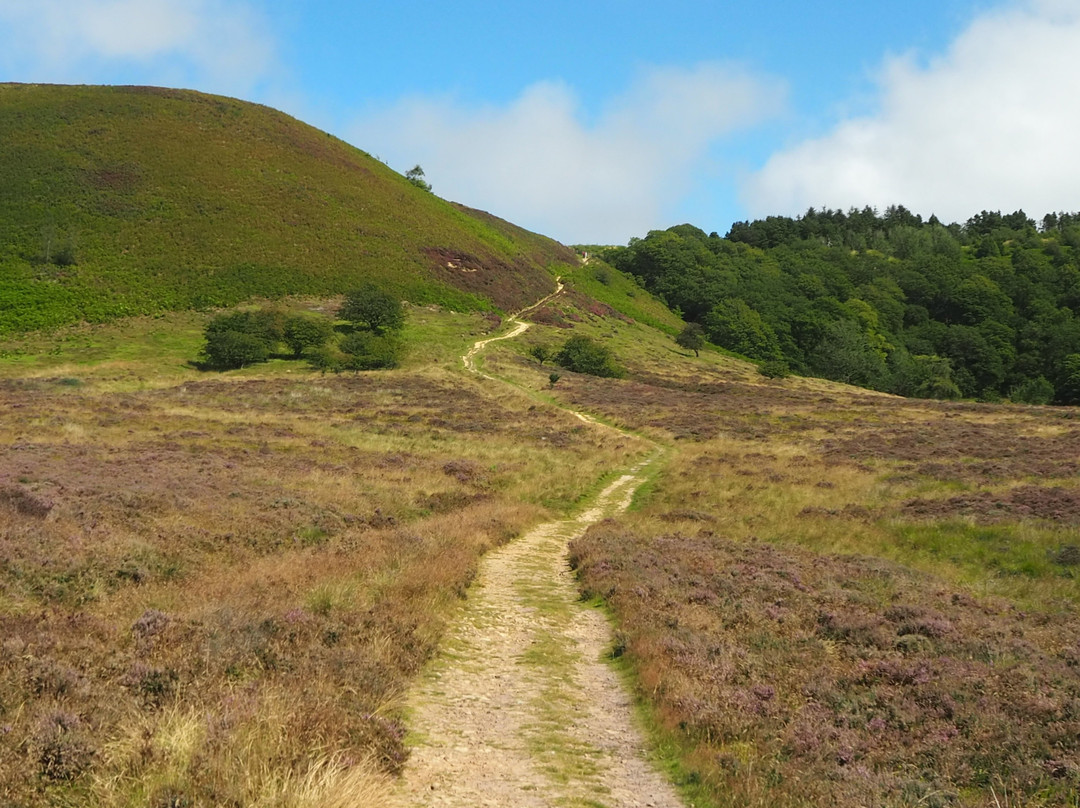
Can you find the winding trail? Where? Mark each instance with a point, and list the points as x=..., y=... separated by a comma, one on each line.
x=520, y=710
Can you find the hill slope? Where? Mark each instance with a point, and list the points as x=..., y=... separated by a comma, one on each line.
x=127, y=200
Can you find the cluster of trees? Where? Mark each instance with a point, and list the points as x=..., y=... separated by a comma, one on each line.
x=985, y=309
x=580, y=354
x=369, y=341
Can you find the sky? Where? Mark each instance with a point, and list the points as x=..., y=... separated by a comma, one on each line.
x=596, y=121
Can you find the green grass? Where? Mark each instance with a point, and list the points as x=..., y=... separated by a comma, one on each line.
x=1018, y=560
x=610, y=286
x=120, y=201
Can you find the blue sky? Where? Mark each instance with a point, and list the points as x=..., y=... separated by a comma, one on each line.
x=597, y=121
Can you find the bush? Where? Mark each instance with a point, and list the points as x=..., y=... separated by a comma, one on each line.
x=306, y=331
x=584, y=355
x=365, y=350
x=371, y=308
x=774, y=369
x=1033, y=391
x=234, y=349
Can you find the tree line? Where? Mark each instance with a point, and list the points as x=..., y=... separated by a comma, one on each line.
x=986, y=309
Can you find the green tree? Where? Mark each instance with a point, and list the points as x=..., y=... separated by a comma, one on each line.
x=692, y=338
x=1068, y=388
x=846, y=355
x=366, y=350
x=372, y=308
x=415, y=175
x=1038, y=390
x=739, y=328
x=303, y=331
x=234, y=349
x=238, y=338
x=541, y=353
x=584, y=355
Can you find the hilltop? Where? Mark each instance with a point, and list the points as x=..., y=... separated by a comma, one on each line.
x=117, y=201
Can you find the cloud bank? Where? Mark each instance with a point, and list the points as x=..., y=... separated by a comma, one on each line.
x=216, y=45
x=991, y=124
x=544, y=162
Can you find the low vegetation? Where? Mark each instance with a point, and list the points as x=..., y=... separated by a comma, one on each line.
x=214, y=589
x=834, y=597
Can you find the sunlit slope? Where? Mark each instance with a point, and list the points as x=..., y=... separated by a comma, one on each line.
x=125, y=200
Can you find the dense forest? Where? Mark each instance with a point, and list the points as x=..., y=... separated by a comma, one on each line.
x=986, y=309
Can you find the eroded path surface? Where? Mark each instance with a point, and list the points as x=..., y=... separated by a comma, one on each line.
x=521, y=709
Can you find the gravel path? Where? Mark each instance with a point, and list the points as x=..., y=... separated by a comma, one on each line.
x=520, y=709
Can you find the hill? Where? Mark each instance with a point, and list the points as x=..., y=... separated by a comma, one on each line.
x=117, y=201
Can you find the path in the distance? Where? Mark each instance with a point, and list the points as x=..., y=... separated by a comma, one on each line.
x=520, y=710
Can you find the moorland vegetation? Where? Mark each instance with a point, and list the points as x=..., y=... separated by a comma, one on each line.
x=215, y=588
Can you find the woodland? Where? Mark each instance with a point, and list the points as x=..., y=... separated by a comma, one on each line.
x=984, y=309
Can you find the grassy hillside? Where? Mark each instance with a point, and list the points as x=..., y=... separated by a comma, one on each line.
x=131, y=200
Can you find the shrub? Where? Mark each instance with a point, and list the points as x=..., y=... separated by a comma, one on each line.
x=303, y=331
x=774, y=369
x=372, y=308
x=1033, y=391
x=63, y=750
x=365, y=350
x=584, y=355
x=234, y=349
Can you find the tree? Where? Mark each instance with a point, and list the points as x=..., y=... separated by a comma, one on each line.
x=305, y=331
x=238, y=338
x=366, y=350
x=692, y=338
x=541, y=353
x=234, y=349
x=1068, y=388
x=739, y=328
x=371, y=308
x=584, y=355
x=415, y=175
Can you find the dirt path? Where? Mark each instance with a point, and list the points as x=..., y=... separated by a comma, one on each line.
x=520, y=709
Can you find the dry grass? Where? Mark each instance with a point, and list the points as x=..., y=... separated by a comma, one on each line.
x=215, y=590
x=832, y=597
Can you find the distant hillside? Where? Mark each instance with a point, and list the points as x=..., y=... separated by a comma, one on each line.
x=132, y=200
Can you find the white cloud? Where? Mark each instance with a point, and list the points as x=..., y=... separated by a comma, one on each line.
x=990, y=124
x=219, y=45
x=538, y=163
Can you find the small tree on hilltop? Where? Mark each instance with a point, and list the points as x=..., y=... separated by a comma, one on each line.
x=372, y=309
x=692, y=338
x=415, y=175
